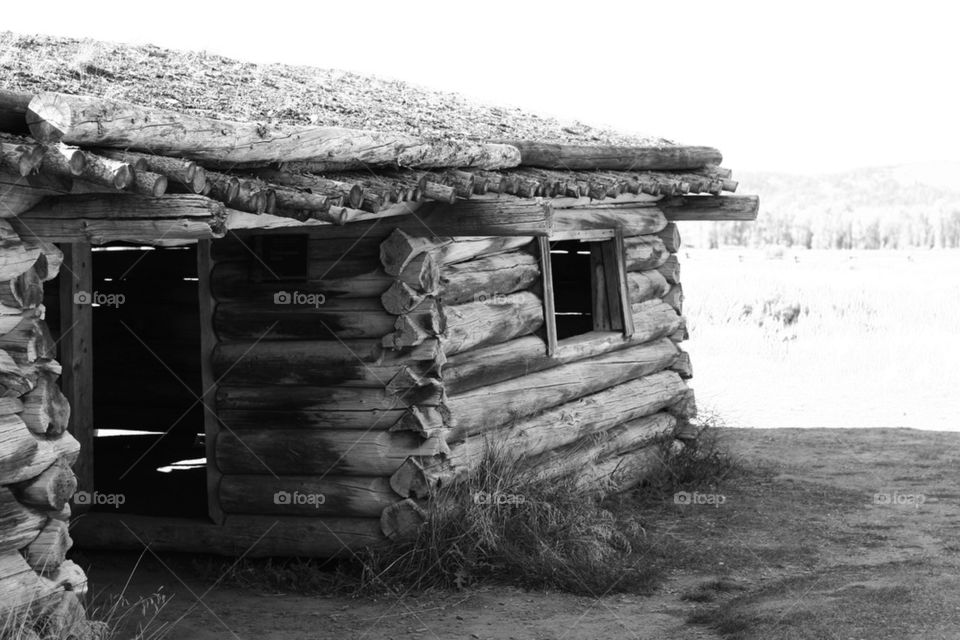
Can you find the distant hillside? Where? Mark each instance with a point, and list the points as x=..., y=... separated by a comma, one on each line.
x=876, y=207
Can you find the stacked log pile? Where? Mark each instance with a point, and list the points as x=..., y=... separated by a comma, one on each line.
x=36, y=451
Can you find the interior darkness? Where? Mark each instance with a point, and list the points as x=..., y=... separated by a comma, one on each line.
x=146, y=379
x=573, y=299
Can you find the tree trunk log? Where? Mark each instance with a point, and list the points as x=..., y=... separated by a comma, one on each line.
x=353, y=363
x=310, y=496
x=402, y=520
x=97, y=122
x=481, y=218
x=632, y=220
x=495, y=405
x=573, y=157
x=314, y=452
x=500, y=362
x=296, y=398
x=583, y=454
x=298, y=319
x=51, y=490
x=642, y=253
x=711, y=208
x=646, y=285
x=671, y=237
x=16, y=256
x=399, y=248
x=239, y=281
x=18, y=524
x=481, y=323
x=488, y=278
x=374, y=419
x=183, y=172
x=21, y=293
x=49, y=549
x=46, y=411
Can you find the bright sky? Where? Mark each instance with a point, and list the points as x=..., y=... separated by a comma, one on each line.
x=813, y=87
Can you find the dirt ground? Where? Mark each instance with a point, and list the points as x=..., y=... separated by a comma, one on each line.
x=834, y=534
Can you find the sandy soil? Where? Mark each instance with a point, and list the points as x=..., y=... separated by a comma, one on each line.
x=802, y=547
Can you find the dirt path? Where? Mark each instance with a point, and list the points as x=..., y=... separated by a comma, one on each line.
x=843, y=534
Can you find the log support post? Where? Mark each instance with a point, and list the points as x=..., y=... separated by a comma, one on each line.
x=76, y=354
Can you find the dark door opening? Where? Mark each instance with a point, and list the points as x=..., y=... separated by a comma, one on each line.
x=148, y=439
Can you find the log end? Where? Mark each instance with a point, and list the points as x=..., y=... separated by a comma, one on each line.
x=48, y=117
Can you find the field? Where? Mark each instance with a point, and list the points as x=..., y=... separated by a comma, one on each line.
x=876, y=342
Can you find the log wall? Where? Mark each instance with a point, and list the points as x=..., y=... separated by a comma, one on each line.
x=383, y=369
x=36, y=450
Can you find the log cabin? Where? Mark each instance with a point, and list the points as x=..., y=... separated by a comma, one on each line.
x=282, y=339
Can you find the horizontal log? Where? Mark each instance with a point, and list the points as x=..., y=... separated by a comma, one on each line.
x=711, y=208
x=296, y=398
x=23, y=292
x=19, y=156
x=572, y=458
x=158, y=231
x=33, y=461
x=670, y=269
x=481, y=218
x=50, y=260
x=310, y=496
x=49, y=549
x=46, y=410
x=618, y=158
x=621, y=472
x=183, y=172
x=399, y=248
x=498, y=404
x=129, y=207
x=522, y=356
x=252, y=536
x=17, y=255
x=51, y=490
x=26, y=337
x=631, y=220
x=642, y=253
x=351, y=192
x=487, y=278
x=19, y=525
x=235, y=281
x=331, y=363
x=674, y=297
x=683, y=366
x=98, y=122
x=646, y=285
x=18, y=194
x=20, y=586
x=671, y=237
x=481, y=323
x=402, y=520
x=566, y=424
x=374, y=419
x=344, y=318
x=318, y=452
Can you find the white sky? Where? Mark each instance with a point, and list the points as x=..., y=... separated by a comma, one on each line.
x=814, y=87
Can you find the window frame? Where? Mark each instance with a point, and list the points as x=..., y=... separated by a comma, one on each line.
x=609, y=288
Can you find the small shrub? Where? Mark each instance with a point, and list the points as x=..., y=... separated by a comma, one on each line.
x=531, y=533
